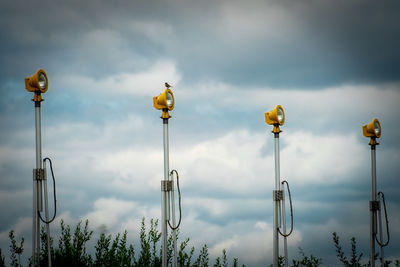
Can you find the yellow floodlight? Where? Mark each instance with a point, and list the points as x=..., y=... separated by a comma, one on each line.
x=275, y=117
x=165, y=102
x=373, y=130
x=38, y=83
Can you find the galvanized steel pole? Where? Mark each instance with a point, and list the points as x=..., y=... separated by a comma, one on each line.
x=285, y=251
x=37, y=205
x=165, y=197
x=372, y=206
x=276, y=224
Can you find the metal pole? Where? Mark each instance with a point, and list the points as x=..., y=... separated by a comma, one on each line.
x=165, y=196
x=276, y=204
x=34, y=215
x=372, y=210
x=284, y=228
x=174, y=224
x=38, y=188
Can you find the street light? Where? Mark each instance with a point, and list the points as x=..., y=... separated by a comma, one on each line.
x=166, y=102
x=38, y=84
x=373, y=130
x=276, y=117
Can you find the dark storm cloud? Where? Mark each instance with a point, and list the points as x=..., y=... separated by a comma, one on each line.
x=314, y=43
x=323, y=43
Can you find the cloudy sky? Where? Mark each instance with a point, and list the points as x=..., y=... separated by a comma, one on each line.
x=333, y=65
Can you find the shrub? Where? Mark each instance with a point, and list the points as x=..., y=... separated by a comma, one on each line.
x=109, y=251
x=15, y=250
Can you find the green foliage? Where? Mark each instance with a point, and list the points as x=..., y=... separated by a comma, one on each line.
x=185, y=259
x=306, y=261
x=170, y=249
x=224, y=258
x=2, y=259
x=118, y=254
x=223, y=261
x=102, y=250
x=72, y=249
x=148, y=245
x=154, y=238
x=355, y=260
x=217, y=262
x=15, y=250
x=115, y=251
x=44, y=259
x=235, y=262
x=202, y=260
x=281, y=262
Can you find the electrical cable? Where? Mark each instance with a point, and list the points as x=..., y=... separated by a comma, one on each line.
x=291, y=212
x=387, y=222
x=54, y=191
x=180, y=206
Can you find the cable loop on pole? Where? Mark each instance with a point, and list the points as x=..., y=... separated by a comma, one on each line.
x=180, y=206
x=54, y=191
x=380, y=193
x=291, y=211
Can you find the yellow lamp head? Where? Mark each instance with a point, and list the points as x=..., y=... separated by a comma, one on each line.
x=164, y=101
x=372, y=129
x=38, y=83
x=276, y=116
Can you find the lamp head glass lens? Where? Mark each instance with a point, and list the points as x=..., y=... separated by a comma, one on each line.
x=170, y=100
x=280, y=115
x=42, y=80
x=377, y=128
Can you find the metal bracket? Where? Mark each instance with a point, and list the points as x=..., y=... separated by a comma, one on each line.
x=39, y=174
x=277, y=195
x=374, y=205
x=167, y=185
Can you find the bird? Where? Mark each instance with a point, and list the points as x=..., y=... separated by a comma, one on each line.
x=167, y=85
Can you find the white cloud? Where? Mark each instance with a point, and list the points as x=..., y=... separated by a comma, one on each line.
x=333, y=106
x=235, y=163
x=22, y=226
x=250, y=244
x=9, y=155
x=108, y=212
x=309, y=158
x=148, y=82
x=64, y=216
